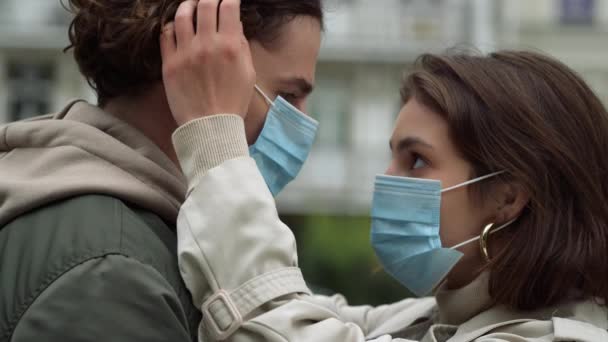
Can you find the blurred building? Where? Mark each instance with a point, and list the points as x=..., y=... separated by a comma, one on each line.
x=367, y=47
x=35, y=75
x=574, y=31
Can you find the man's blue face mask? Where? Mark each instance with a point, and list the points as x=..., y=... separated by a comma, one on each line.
x=284, y=143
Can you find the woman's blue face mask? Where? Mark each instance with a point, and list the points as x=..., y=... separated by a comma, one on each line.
x=405, y=231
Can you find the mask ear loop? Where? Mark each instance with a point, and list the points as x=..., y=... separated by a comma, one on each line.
x=266, y=98
x=472, y=181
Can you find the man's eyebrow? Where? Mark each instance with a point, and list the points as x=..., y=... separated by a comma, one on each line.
x=303, y=86
x=408, y=143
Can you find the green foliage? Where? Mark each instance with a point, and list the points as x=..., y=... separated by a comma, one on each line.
x=336, y=256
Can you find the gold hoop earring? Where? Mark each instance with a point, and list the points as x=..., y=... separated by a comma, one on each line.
x=483, y=241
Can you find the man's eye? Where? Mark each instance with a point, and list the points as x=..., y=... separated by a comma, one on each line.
x=290, y=97
x=419, y=163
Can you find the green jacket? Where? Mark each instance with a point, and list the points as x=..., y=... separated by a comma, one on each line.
x=88, y=207
x=92, y=268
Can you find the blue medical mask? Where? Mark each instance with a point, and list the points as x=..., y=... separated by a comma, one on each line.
x=405, y=231
x=284, y=143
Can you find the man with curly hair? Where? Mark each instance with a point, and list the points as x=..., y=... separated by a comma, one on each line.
x=89, y=196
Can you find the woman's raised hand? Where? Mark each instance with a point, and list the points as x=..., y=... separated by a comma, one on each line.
x=207, y=66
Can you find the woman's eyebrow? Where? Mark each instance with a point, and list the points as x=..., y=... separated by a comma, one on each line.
x=409, y=142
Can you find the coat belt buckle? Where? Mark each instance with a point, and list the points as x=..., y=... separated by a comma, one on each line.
x=221, y=304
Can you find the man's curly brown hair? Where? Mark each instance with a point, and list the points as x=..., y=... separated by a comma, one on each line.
x=116, y=42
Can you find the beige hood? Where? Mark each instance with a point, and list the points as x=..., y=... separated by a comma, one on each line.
x=83, y=150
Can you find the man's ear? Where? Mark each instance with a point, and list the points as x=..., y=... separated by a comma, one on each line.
x=511, y=198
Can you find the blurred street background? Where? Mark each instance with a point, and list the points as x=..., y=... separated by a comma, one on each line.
x=368, y=46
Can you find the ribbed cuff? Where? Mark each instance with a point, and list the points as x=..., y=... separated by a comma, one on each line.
x=207, y=142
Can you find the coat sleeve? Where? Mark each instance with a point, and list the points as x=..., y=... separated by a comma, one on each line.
x=112, y=298
x=240, y=263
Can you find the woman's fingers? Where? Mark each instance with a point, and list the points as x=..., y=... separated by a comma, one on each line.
x=184, y=22
x=209, y=72
x=168, y=45
x=230, y=17
x=207, y=18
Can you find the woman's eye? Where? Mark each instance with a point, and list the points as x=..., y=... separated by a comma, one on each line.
x=419, y=163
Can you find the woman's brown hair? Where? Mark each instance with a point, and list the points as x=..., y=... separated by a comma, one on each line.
x=534, y=117
x=116, y=42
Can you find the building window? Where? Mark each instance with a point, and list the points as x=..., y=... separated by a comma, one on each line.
x=29, y=88
x=577, y=12
x=330, y=106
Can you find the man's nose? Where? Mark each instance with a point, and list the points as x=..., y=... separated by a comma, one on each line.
x=392, y=170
